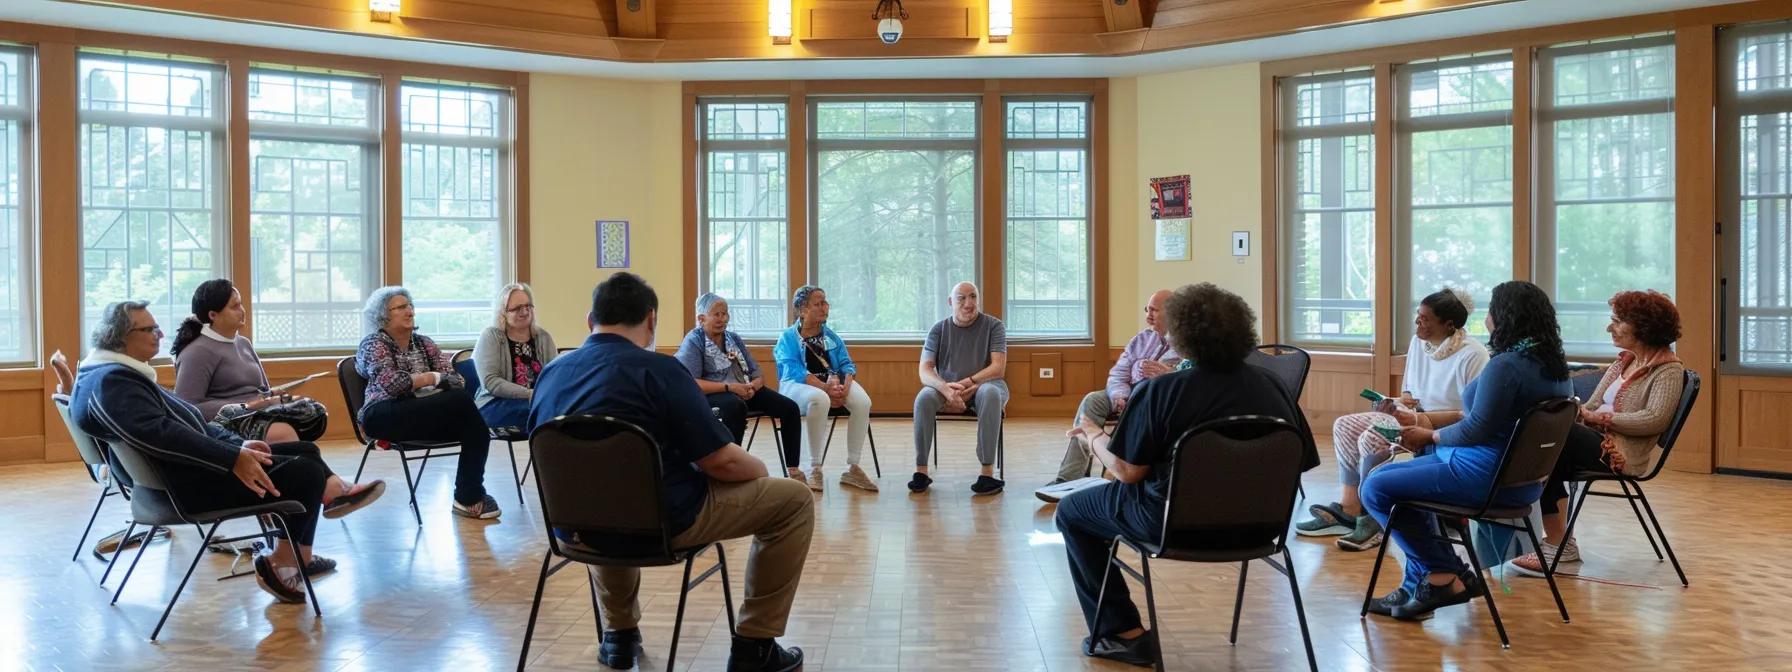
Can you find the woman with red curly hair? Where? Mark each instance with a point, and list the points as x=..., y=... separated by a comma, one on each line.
x=1630, y=409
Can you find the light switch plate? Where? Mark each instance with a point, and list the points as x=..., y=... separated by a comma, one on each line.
x=1241, y=243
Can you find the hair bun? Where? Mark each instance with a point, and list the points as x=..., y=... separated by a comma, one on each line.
x=1463, y=297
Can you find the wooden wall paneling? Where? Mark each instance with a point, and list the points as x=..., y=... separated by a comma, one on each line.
x=1121, y=15
x=325, y=389
x=392, y=179
x=59, y=234
x=1332, y=388
x=635, y=19
x=1039, y=385
x=890, y=374
x=1381, y=366
x=240, y=246
x=1696, y=252
x=1755, y=432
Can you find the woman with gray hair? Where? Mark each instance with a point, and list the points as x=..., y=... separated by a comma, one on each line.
x=509, y=357
x=413, y=394
x=726, y=371
x=207, y=467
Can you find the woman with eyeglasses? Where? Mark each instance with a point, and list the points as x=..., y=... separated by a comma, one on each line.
x=509, y=357
x=726, y=372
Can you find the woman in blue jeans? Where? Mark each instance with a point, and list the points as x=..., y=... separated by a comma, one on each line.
x=1457, y=462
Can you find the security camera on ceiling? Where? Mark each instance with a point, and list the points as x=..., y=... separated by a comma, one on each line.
x=889, y=15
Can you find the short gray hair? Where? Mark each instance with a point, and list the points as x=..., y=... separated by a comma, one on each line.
x=373, y=313
x=503, y=301
x=115, y=324
x=708, y=301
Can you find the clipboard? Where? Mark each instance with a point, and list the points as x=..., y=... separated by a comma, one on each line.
x=282, y=388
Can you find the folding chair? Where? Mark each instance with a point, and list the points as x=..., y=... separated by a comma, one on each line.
x=463, y=365
x=354, y=392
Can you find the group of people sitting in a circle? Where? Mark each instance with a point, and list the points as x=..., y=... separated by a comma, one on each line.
x=224, y=440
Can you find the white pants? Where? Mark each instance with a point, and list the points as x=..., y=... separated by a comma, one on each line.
x=813, y=403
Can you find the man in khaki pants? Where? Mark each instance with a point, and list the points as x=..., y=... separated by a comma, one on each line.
x=713, y=489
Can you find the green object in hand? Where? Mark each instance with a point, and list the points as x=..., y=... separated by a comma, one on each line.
x=1388, y=433
x=1371, y=395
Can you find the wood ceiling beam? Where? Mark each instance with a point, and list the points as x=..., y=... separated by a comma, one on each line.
x=1126, y=14
x=635, y=19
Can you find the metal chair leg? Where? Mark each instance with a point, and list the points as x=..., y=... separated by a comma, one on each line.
x=1244, y=568
x=597, y=612
x=1300, y=610
x=1102, y=595
x=128, y=531
x=541, y=582
x=141, y=548
x=515, y=474
x=827, y=445
x=1468, y=542
x=1628, y=496
x=1548, y=570
x=1580, y=501
x=364, y=453
x=104, y=492
x=280, y=521
x=684, y=591
x=1151, y=605
x=871, y=438
x=1658, y=532
x=183, y=583
x=727, y=594
x=1380, y=555
x=411, y=487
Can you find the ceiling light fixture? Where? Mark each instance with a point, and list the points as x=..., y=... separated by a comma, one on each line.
x=1001, y=20
x=778, y=20
x=889, y=15
x=383, y=10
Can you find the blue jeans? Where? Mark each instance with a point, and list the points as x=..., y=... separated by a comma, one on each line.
x=1429, y=478
x=504, y=412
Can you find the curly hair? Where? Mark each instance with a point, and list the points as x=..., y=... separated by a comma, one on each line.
x=1211, y=326
x=1651, y=315
x=1521, y=310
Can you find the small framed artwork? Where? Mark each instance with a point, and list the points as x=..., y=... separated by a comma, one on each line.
x=612, y=244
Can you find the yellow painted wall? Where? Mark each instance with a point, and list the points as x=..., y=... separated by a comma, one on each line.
x=1125, y=301
x=1205, y=123
x=604, y=149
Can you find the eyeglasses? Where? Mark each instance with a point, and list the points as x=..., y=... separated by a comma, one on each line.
x=151, y=329
x=525, y=308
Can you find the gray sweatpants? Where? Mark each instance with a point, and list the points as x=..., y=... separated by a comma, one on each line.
x=1096, y=406
x=991, y=398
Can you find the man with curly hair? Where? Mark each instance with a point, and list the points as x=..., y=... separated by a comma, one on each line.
x=1215, y=329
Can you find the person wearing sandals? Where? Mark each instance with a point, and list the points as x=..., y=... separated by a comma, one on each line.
x=1440, y=362
x=217, y=370
x=508, y=358
x=731, y=379
x=1457, y=463
x=1632, y=406
x=413, y=394
x=117, y=401
x=815, y=371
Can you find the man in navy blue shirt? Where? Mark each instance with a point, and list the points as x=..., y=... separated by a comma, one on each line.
x=713, y=489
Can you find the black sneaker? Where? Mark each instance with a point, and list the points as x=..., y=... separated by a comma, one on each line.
x=1140, y=650
x=919, y=483
x=1430, y=598
x=486, y=509
x=619, y=648
x=987, y=485
x=763, y=655
x=1384, y=605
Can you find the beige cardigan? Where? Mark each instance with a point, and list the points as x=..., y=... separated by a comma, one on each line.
x=1643, y=408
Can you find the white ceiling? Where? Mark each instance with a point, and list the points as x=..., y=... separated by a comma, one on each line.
x=1508, y=16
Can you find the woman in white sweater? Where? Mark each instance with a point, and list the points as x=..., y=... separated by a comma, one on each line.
x=1440, y=362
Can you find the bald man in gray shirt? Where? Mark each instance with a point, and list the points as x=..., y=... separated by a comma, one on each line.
x=962, y=366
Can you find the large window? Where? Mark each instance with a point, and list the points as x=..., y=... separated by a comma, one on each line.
x=895, y=189
x=456, y=241
x=151, y=195
x=1605, y=179
x=314, y=251
x=1755, y=146
x=1047, y=238
x=1453, y=174
x=743, y=212
x=17, y=337
x=1328, y=197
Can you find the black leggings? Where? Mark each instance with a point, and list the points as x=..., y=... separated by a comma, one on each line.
x=448, y=415
x=1580, y=453
x=298, y=472
x=769, y=402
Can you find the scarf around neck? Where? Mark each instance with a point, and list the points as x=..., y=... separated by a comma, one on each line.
x=1449, y=346
x=99, y=356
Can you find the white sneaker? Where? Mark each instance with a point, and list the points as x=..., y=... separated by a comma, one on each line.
x=856, y=477
x=816, y=482
x=1051, y=493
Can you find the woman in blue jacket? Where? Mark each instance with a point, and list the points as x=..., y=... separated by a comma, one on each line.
x=815, y=372
x=1456, y=463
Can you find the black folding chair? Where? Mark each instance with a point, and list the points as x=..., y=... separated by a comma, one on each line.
x=153, y=503
x=970, y=414
x=756, y=416
x=834, y=416
x=1688, y=394
x=1529, y=458
x=463, y=365
x=585, y=454
x=1290, y=365
x=354, y=393
x=1231, y=494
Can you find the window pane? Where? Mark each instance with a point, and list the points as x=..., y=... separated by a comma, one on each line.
x=312, y=257
x=149, y=189
x=1763, y=281
x=896, y=211
x=1048, y=243
x=1458, y=89
x=747, y=259
x=1616, y=75
x=743, y=121
x=1047, y=120
x=1461, y=221
x=297, y=98
x=455, y=237
x=1330, y=212
x=17, y=341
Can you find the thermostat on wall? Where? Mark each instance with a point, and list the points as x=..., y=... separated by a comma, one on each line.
x=1241, y=243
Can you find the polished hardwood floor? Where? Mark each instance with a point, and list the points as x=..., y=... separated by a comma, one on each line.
x=894, y=582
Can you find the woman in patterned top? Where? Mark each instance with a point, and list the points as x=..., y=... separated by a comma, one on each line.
x=413, y=394
x=728, y=374
x=509, y=357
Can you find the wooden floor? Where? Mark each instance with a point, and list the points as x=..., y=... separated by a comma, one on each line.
x=894, y=582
